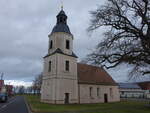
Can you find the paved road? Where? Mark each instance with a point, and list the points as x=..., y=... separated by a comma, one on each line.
x=14, y=105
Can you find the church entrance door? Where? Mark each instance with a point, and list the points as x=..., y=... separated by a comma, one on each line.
x=105, y=98
x=66, y=98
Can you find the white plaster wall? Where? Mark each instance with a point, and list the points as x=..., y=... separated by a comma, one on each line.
x=58, y=82
x=58, y=66
x=67, y=86
x=59, y=41
x=86, y=98
x=72, y=73
x=48, y=90
x=51, y=58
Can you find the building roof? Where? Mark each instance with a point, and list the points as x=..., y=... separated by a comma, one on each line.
x=144, y=85
x=61, y=28
x=88, y=74
x=129, y=86
x=58, y=50
x=61, y=25
x=1, y=83
x=62, y=12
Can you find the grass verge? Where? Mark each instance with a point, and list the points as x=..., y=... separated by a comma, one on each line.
x=118, y=107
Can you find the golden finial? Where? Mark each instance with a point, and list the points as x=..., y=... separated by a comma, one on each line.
x=62, y=5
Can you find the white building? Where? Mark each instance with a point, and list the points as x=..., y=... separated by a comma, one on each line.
x=66, y=81
x=145, y=85
x=131, y=90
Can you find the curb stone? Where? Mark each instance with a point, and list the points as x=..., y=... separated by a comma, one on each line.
x=29, y=111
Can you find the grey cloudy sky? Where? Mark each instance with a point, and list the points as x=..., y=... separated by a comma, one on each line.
x=24, y=27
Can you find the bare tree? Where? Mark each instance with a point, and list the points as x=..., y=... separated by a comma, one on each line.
x=21, y=89
x=127, y=39
x=37, y=82
x=29, y=89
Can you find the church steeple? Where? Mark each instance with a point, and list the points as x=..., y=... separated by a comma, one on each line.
x=61, y=39
x=60, y=65
x=61, y=24
x=61, y=17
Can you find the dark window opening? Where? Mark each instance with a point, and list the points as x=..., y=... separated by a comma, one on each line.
x=67, y=66
x=49, y=68
x=98, y=92
x=66, y=98
x=90, y=91
x=61, y=19
x=51, y=44
x=67, y=44
x=105, y=98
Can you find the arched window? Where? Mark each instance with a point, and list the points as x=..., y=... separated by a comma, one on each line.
x=67, y=44
x=50, y=66
x=67, y=65
x=98, y=92
x=51, y=44
x=91, y=91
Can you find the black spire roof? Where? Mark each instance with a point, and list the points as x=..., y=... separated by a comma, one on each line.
x=61, y=25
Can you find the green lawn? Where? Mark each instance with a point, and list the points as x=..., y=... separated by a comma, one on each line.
x=118, y=107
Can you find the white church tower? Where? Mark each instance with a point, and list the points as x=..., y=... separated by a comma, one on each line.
x=60, y=84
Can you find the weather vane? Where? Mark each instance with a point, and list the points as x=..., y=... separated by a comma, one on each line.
x=62, y=5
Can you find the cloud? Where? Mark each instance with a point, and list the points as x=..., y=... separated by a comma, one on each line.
x=18, y=83
x=24, y=29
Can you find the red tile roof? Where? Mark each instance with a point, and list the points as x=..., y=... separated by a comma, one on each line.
x=1, y=83
x=144, y=85
x=88, y=74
